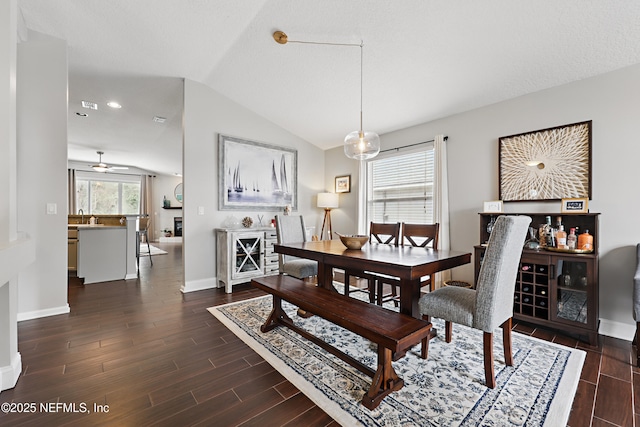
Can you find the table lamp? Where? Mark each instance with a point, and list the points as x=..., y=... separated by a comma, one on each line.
x=327, y=201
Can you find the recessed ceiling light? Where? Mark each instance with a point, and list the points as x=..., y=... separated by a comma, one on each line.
x=90, y=105
x=81, y=114
x=159, y=119
x=114, y=104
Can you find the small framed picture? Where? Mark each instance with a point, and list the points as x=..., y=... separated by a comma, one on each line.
x=343, y=184
x=580, y=205
x=493, y=206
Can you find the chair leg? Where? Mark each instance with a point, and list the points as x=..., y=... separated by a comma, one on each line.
x=394, y=295
x=489, y=374
x=506, y=341
x=424, y=348
x=379, y=286
x=347, y=280
x=371, y=287
x=448, y=330
x=146, y=238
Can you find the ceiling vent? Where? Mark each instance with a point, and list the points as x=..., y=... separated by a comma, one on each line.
x=90, y=105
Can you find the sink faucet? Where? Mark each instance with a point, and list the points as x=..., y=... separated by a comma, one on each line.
x=80, y=211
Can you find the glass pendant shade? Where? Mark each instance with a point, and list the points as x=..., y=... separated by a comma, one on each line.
x=361, y=145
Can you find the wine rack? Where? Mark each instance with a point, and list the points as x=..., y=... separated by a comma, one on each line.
x=555, y=290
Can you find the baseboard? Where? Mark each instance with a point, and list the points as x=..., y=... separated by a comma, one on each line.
x=130, y=276
x=623, y=331
x=199, y=285
x=28, y=315
x=9, y=374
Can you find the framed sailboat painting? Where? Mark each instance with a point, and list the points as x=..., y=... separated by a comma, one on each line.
x=256, y=176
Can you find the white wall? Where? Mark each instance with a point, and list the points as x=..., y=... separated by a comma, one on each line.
x=612, y=101
x=42, y=178
x=206, y=114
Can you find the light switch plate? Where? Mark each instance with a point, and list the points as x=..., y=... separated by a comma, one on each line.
x=52, y=208
x=200, y=210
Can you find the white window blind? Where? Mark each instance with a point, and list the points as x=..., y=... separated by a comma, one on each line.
x=400, y=188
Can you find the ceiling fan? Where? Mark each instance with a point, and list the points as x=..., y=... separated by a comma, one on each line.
x=103, y=167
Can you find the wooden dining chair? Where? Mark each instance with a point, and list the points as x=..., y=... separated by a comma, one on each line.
x=490, y=305
x=379, y=233
x=416, y=235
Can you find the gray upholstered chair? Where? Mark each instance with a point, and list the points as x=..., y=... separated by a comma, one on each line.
x=491, y=304
x=636, y=304
x=291, y=229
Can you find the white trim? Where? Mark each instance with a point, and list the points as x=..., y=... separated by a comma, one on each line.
x=9, y=374
x=130, y=276
x=28, y=315
x=199, y=285
x=611, y=328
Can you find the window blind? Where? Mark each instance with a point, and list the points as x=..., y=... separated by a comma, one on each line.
x=400, y=188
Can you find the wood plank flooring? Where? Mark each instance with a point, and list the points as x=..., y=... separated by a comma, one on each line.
x=140, y=353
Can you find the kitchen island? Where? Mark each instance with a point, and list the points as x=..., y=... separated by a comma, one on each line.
x=102, y=253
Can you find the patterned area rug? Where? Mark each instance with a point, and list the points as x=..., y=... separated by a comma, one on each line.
x=447, y=389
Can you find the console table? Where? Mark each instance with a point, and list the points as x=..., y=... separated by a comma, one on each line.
x=245, y=253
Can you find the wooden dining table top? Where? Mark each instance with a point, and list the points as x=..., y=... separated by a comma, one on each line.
x=406, y=262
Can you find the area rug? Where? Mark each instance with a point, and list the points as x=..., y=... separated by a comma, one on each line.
x=447, y=389
x=154, y=251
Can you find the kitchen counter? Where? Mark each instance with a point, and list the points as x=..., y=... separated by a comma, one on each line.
x=102, y=252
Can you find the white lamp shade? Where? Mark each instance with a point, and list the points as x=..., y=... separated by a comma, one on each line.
x=361, y=145
x=328, y=200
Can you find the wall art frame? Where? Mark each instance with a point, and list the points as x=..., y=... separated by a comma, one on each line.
x=343, y=184
x=575, y=205
x=493, y=206
x=547, y=164
x=254, y=175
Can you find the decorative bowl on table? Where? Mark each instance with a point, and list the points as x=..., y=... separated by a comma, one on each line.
x=353, y=241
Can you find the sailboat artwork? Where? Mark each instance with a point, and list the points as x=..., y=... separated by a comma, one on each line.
x=256, y=175
x=280, y=187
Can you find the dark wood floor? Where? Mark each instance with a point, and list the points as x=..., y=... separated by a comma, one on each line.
x=151, y=355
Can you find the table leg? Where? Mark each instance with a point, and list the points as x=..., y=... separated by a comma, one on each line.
x=409, y=296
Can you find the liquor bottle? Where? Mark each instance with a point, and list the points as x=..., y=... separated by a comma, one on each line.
x=572, y=239
x=544, y=230
x=585, y=241
x=561, y=237
x=551, y=238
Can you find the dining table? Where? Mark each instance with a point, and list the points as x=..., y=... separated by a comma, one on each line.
x=408, y=263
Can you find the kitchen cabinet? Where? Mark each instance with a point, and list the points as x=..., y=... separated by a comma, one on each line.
x=72, y=252
x=558, y=290
x=243, y=254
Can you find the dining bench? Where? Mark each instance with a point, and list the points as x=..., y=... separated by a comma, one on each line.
x=393, y=332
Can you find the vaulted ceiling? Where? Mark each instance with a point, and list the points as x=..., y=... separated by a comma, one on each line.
x=423, y=60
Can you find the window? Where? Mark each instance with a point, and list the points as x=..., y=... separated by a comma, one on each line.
x=400, y=188
x=101, y=194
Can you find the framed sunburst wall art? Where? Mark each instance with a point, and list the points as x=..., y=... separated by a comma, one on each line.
x=547, y=164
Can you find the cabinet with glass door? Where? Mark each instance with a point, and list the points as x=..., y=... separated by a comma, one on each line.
x=554, y=289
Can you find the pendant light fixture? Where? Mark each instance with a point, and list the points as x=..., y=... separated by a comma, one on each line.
x=358, y=145
x=361, y=145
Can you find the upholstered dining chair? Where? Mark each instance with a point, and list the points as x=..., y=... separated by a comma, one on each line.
x=143, y=232
x=291, y=229
x=489, y=305
x=636, y=305
x=416, y=235
x=379, y=233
